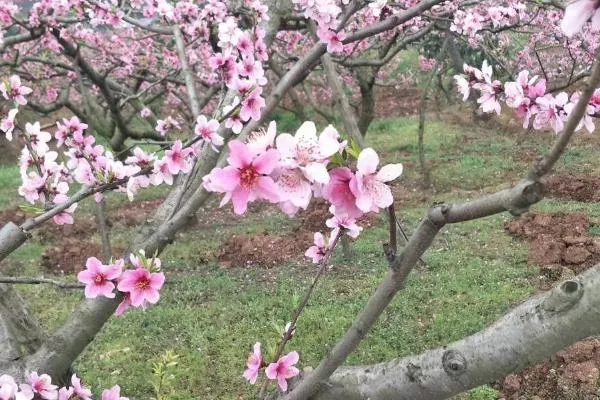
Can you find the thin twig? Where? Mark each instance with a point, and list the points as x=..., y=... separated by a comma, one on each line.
x=391, y=249
x=292, y=327
x=104, y=229
x=39, y=280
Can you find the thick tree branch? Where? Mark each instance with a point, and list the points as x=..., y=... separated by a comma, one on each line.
x=529, y=333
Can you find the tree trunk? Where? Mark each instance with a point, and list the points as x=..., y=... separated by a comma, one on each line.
x=20, y=333
x=367, y=102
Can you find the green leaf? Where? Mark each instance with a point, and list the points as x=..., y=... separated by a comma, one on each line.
x=31, y=209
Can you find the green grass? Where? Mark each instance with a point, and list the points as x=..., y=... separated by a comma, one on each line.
x=213, y=316
x=9, y=182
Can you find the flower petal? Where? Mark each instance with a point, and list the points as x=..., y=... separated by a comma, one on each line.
x=239, y=154
x=367, y=161
x=389, y=172
x=266, y=162
x=267, y=189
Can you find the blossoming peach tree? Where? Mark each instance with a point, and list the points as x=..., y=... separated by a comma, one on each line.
x=147, y=71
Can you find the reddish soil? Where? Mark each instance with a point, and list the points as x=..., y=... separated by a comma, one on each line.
x=561, y=246
x=579, y=188
x=9, y=151
x=313, y=219
x=570, y=374
x=264, y=250
x=82, y=228
x=12, y=215
x=68, y=256
x=134, y=213
x=396, y=101
x=269, y=250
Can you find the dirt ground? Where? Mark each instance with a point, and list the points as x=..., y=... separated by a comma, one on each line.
x=572, y=187
x=562, y=247
x=396, y=102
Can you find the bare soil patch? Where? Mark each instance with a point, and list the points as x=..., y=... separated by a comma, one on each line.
x=12, y=215
x=9, y=151
x=561, y=246
x=265, y=250
x=559, y=243
x=69, y=255
x=570, y=374
x=268, y=250
x=573, y=187
x=396, y=101
x=134, y=213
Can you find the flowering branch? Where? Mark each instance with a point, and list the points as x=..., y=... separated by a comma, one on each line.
x=515, y=200
x=291, y=326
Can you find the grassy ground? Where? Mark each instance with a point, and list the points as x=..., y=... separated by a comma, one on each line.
x=474, y=273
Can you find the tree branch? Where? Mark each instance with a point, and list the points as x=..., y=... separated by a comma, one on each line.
x=515, y=200
x=529, y=333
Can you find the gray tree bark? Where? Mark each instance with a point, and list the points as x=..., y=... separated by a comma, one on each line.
x=531, y=332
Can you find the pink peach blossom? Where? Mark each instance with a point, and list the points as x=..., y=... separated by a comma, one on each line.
x=42, y=386
x=177, y=158
x=283, y=369
x=80, y=391
x=141, y=285
x=98, y=278
x=254, y=363
x=207, y=129
x=369, y=186
x=245, y=179
x=577, y=13
x=113, y=394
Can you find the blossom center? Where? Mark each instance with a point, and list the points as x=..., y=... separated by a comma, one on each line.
x=99, y=278
x=142, y=283
x=248, y=177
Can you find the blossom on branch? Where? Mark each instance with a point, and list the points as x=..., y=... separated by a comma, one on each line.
x=283, y=369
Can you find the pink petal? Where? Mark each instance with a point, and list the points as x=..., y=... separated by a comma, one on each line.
x=157, y=280
x=364, y=201
x=319, y=241
x=291, y=358
x=91, y=291
x=239, y=156
x=152, y=295
x=367, y=161
x=384, y=197
x=93, y=264
x=306, y=132
x=283, y=385
x=271, y=371
x=328, y=143
x=286, y=144
x=239, y=198
x=251, y=374
x=226, y=179
x=389, y=172
x=316, y=172
x=266, y=162
x=291, y=372
x=137, y=297
x=576, y=15
x=86, y=276
x=267, y=189
x=596, y=21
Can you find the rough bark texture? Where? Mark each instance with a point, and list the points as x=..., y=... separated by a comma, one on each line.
x=20, y=334
x=531, y=332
